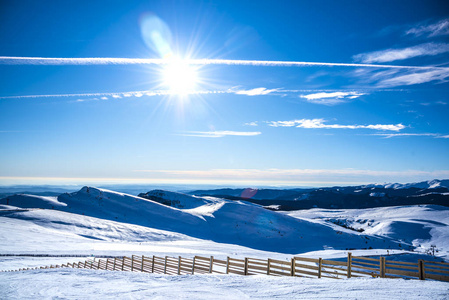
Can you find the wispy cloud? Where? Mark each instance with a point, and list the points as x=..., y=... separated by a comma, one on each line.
x=332, y=98
x=256, y=91
x=12, y=60
x=392, y=135
x=412, y=78
x=255, y=123
x=433, y=103
x=388, y=55
x=439, y=28
x=219, y=134
x=395, y=77
x=319, y=123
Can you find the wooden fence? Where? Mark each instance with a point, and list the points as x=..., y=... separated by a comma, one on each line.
x=354, y=266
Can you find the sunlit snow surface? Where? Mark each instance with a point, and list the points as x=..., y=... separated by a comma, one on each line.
x=95, y=284
x=89, y=223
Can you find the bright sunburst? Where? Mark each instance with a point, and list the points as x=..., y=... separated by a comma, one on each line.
x=179, y=77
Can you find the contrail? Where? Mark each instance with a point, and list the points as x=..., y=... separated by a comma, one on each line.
x=121, y=94
x=12, y=60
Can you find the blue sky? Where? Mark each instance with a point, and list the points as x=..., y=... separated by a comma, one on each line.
x=299, y=93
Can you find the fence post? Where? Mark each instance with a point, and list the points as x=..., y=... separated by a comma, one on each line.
x=165, y=267
x=143, y=261
x=107, y=263
x=193, y=265
x=211, y=264
x=152, y=265
x=320, y=264
x=132, y=262
x=99, y=264
x=268, y=267
x=227, y=265
x=349, y=264
x=382, y=259
x=245, y=270
x=123, y=263
x=113, y=267
x=422, y=275
x=179, y=265
x=293, y=267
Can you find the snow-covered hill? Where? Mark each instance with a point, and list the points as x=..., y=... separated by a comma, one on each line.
x=177, y=200
x=419, y=225
x=232, y=222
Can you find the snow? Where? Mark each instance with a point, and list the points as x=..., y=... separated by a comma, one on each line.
x=178, y=200
x=94, y=222
x=379, y=195
x=431, y=184
x=96, y=284
x=223, y=221
x=417, y=225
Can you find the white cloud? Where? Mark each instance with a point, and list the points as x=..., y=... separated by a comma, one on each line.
x=319, y=123
x=219, y=134
x=255, y=123
x=439, y=28
x=391, y=135
x=256, y=91
x=331, y=98
x=388, y=55
x=415, y=78
x=433, y=103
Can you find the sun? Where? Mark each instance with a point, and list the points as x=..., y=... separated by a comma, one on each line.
x=179, y=77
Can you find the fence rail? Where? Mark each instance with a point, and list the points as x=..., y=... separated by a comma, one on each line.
x=354, y=266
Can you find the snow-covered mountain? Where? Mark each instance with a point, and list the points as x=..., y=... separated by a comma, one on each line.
x=224, y=221
x=435, y=192
x=430, y=184
x=177, y=200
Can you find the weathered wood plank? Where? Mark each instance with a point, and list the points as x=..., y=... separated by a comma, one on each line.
x=365, y=258
x=315, y=260
x=400, y=272
x=401, y=267
x=400, y=262
x=437, y=277
x=260, y=263
x=428, y=265
x=334, y=262
x=365, y=268
x=364, y=263
x=306, y=266
x=281, y=262
x=251, y=267
x=280, y=268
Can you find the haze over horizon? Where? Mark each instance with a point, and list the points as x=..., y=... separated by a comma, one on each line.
x=224, y=92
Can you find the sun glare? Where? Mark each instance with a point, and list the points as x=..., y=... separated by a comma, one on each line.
x=179, y=77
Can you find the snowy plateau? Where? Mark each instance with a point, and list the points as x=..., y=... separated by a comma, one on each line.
x=227, y=222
